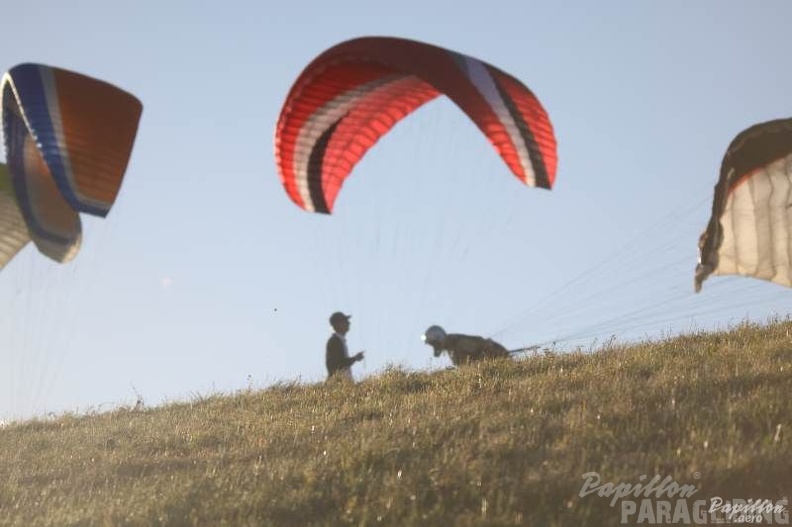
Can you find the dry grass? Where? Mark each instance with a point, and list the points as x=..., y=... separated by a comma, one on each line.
x=502, y=443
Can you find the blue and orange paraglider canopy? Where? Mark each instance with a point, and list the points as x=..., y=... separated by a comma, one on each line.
x=68, y=139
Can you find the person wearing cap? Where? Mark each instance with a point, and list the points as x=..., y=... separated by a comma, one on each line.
x=463, y=349
x=337, y=359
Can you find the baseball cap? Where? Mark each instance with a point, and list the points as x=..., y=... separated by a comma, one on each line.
x=339, y=317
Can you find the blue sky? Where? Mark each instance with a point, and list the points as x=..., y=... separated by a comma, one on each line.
x=205, y=277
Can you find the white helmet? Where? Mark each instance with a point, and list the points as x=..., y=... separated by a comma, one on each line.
x=435, y=336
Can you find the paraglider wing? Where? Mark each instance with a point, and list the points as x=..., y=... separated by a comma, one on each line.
x=750, y=231
x=355, y=92
x=13, y=233
x=68, y=138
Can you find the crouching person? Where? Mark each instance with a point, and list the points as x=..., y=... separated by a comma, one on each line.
x=463, y=349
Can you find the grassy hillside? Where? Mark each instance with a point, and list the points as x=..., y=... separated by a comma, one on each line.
x=502, y=443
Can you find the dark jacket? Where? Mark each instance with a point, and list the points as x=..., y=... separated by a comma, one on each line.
x=464, y=349
x=337, y=358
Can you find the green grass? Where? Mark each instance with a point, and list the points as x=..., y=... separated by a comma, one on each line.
x=499, y=443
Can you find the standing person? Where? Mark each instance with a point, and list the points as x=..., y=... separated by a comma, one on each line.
x=337, y=359
x=463, y=349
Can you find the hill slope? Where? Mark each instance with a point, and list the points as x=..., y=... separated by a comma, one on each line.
x=502, y=443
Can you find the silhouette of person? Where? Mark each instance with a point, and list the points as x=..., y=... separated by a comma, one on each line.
x=337, y=359
x=463, y=349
